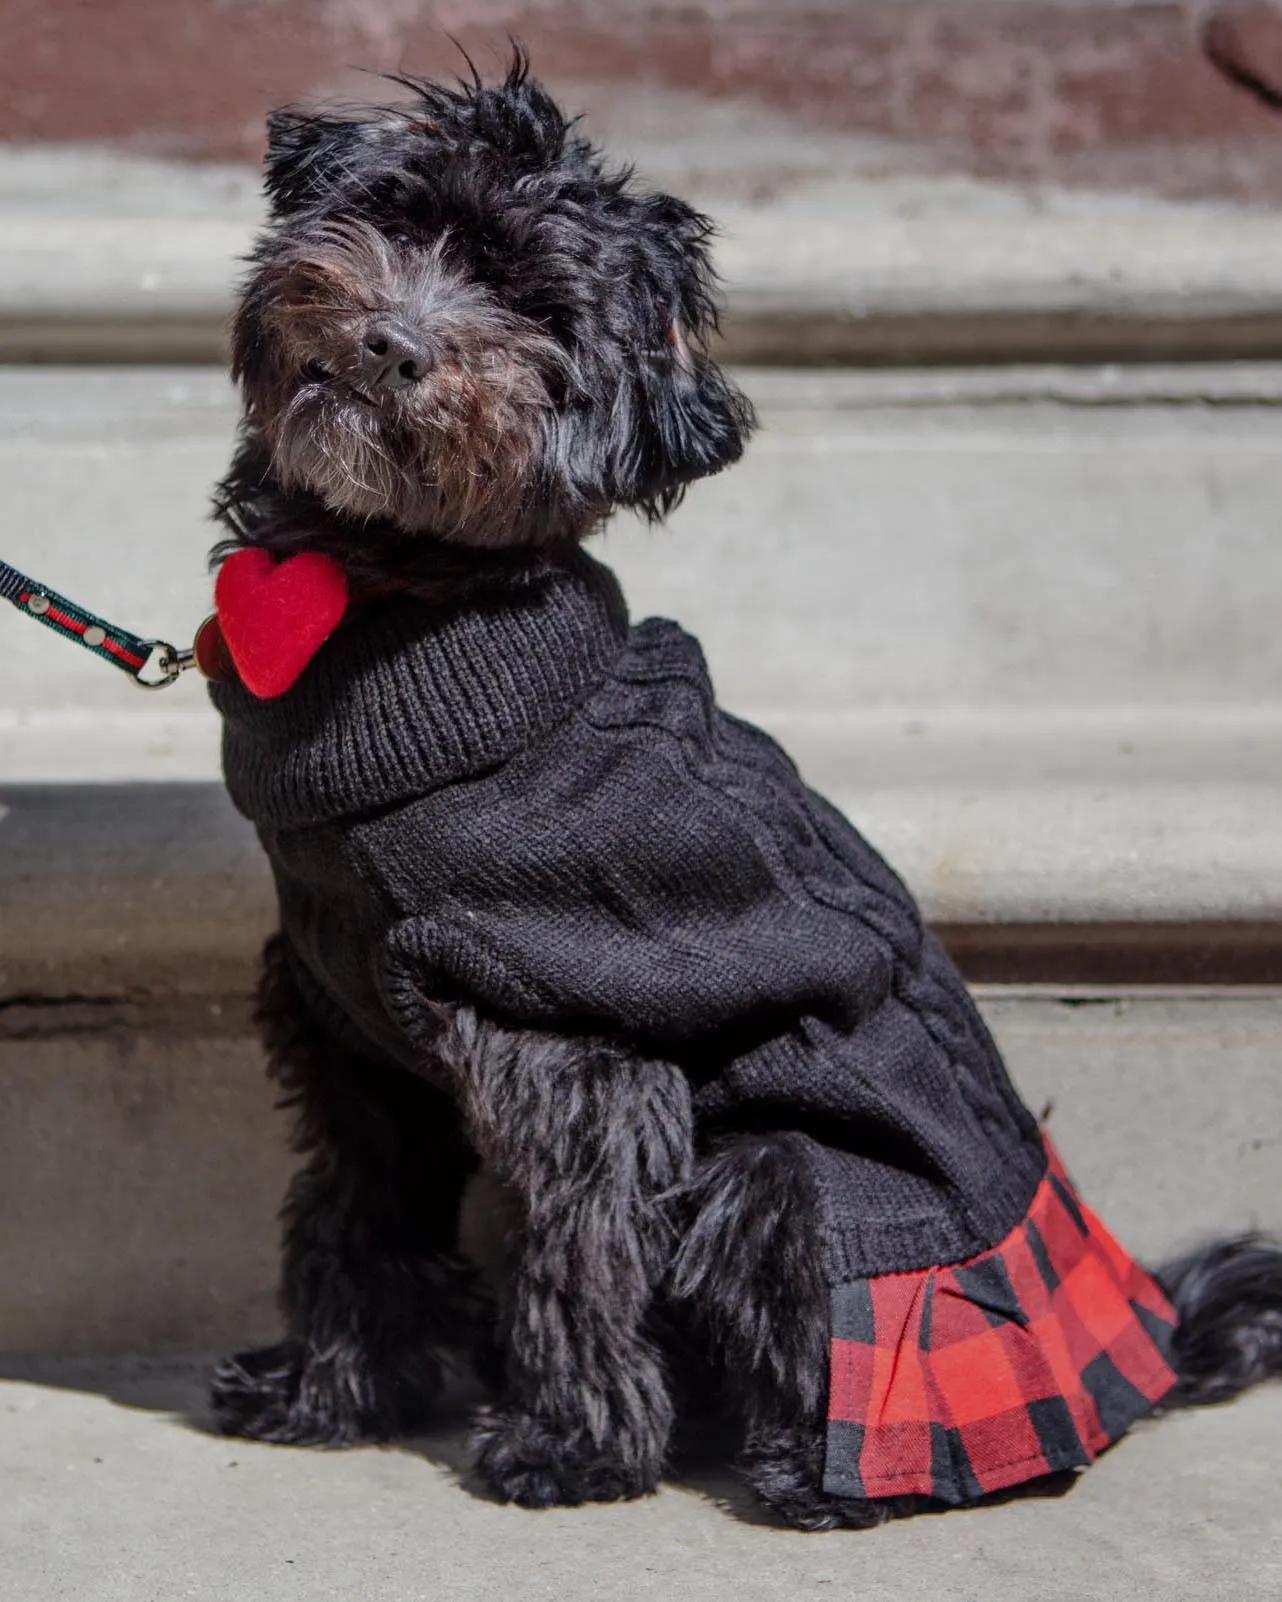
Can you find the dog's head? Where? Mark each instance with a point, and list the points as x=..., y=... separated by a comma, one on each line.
x=461, y=323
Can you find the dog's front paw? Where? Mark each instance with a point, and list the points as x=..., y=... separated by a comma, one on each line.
x=537, y=1463
x=254, y=1393
x=276, y=1394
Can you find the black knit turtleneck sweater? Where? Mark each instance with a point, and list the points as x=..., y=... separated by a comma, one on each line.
x=529, y=805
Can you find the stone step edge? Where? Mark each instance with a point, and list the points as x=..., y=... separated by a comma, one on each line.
x=1156, y=285
x=111, y=891
x=1081, y=964
x=228, y=1014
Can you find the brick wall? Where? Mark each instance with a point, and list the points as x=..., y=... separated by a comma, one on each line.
x=1092, y=91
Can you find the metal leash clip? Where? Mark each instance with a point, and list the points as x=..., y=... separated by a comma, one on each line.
x=169, y=661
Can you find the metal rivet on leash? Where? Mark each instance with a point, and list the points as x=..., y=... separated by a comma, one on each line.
x=151, y=664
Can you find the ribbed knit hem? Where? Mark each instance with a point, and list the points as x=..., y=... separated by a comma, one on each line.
x=953, y=1233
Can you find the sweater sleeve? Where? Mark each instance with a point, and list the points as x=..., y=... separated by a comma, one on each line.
x=639, y=881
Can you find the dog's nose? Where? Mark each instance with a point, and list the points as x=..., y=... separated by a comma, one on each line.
x=393, y=356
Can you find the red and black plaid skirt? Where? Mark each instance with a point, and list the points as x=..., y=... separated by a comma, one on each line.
x=1028, y=1359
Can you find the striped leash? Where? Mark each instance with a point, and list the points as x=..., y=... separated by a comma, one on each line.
x=162, y=663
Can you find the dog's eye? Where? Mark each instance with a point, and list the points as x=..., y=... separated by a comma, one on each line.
x=402, y=238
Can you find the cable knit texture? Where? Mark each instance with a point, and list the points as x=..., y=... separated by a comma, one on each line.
x=530, y=806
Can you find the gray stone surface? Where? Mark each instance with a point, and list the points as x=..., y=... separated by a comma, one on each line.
x=831, y=248
x=1020, y=624
x=718, y=152
x=142, y=1167
x=141, y=1162
x=111, y=890
x=888, y=542
x=115, y=1497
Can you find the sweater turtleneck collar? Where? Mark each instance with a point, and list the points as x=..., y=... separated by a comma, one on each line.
x=407, y=696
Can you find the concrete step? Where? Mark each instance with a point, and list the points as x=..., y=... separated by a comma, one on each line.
x=110, y=1494
x=833, y=249
x=141, y=1163
x=1203, y=286
x=1019, y=624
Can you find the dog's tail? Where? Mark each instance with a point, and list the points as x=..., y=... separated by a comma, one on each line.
x=1228, y=1300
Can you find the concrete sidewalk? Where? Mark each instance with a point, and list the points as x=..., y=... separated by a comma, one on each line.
x=110, y=1495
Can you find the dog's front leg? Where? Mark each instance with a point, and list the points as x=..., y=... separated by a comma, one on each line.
x=378, y=1304
x=586, y=1137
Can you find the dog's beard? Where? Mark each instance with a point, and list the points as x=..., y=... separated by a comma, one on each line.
x=335, y=445
x=452, y=458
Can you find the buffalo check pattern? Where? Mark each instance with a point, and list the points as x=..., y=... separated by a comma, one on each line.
x=1027, y=1360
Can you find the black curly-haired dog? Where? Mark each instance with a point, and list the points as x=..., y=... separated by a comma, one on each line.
x=548, y=913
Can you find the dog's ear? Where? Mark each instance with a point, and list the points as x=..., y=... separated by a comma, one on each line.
x=305, y=153
x=690, y=422
x=683, y=419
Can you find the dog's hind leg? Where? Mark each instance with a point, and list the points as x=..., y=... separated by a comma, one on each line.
x=749, y=1278
x=376, y=1301
x=587, y=1138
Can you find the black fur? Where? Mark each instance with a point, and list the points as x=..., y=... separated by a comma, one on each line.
x=589, y=1141
x=564, y=318
x=748, y=1272
x=378, y=1305
x=537, y=269
x=1228, y=1297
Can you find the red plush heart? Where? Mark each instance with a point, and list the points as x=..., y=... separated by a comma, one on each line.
x=275, y=616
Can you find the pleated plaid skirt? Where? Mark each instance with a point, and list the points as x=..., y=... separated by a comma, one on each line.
x=1026, y=1360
